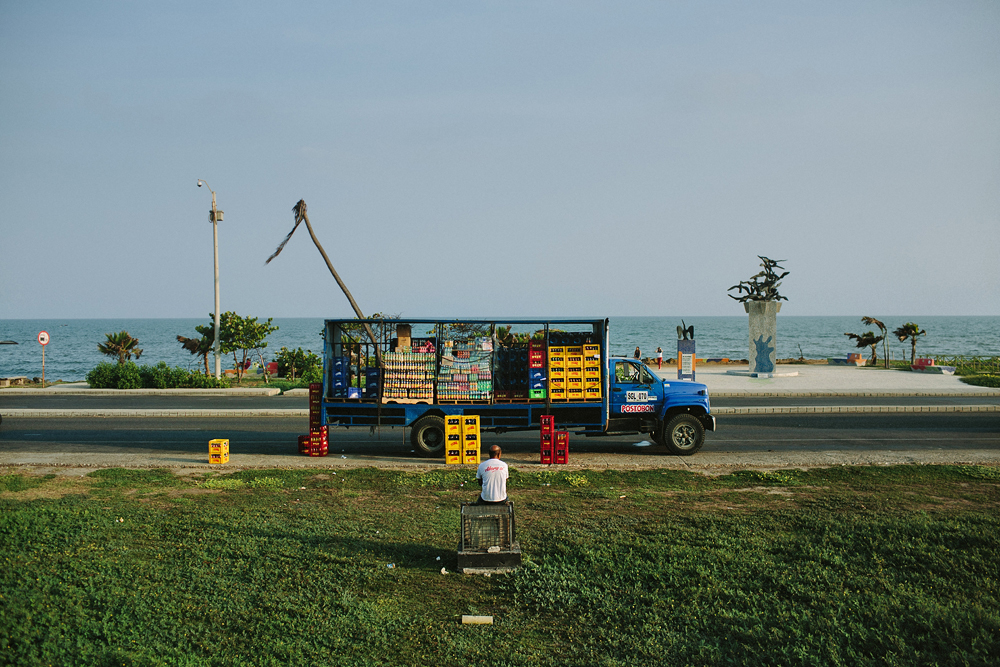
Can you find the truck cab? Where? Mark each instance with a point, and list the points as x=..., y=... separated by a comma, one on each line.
x=675, y=413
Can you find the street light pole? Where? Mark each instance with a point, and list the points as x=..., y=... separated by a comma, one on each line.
x=215, y=216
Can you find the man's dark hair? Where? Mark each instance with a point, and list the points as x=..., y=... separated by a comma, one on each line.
x=495, y=451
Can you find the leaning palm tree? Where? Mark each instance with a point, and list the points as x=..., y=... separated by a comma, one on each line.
x=911, y=331
x=300, y=215
x=869, y=321
x=120, y=345
x=868, y=339
x=200, y=346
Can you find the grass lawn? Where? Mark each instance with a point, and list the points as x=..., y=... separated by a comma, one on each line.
x=848, y=566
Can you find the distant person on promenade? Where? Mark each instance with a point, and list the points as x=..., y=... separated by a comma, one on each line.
x=638, y=354
x=659, y=358
x=492, y=476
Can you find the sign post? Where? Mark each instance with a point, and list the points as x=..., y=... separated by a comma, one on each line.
x=43, y=339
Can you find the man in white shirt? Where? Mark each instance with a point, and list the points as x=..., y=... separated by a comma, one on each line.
x=492, y=476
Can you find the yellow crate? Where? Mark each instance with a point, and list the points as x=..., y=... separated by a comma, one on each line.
x=575, y=394
x=557, y=394
x=453, y=448
x=557, y=373
x=589, y=383
x=592, y=393
x=218, y=459
x=470, y=424
x=470, y=448
x=557, y=383
x=574, y=360
x=574, y=383
x=574, y=372
x=557, y=361
x=453, y=424
x=591, y=351
x=557, y=349
x=592, y=372
x=218, y=446
x=574, y=349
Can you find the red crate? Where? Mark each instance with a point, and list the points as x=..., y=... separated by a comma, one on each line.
x=561, y=453
x=546, y=458
x=304, y=444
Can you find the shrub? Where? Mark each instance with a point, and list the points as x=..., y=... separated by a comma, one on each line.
x=157, y=377
x=128, y=376
x=982, y=380
x=102, y=376
x=298, y=363
x=160, y=376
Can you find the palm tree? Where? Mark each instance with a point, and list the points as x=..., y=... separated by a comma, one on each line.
x=120, y=345
x=300, y=215
x=911, y=331
x=200, y=346
x=868, y=339
x=869, y=321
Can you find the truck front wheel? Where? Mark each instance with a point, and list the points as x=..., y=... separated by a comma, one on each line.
x=683, y=435
x=427, y=436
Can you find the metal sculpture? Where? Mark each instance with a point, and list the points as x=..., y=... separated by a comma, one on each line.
x=763, y=286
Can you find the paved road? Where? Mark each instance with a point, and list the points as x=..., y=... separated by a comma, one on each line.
x=275, y=404
x=757, y=441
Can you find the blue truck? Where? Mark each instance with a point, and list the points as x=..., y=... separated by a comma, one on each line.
x=415, y=372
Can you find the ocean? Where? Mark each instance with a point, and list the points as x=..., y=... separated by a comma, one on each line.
x=72, y=350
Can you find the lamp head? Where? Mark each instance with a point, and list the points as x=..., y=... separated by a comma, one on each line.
x=200, y=182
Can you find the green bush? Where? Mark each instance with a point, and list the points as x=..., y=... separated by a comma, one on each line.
x=299, y=364
x=156, y=377
x=982, y=380
x=160, y=376
x=102, y=376
x=128, y=376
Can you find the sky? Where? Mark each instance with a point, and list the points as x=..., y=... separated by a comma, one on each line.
x=499, y=158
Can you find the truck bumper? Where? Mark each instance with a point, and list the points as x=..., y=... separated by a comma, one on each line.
x=708, y=421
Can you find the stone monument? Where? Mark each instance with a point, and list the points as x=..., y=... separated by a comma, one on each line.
x=762, y=303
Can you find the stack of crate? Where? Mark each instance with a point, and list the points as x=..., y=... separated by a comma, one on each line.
x=316, y=443
x=372, y=376
x=561, y=454
x=557, y=373
x=574, y=373
x=592, y=372
x=453, y=439
x=511, y=365
x=462, y=439
x=548, y=426
x=537, y=377
x=340, y=371
x=218, y=452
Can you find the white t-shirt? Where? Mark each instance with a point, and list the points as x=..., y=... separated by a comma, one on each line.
x=493, y=472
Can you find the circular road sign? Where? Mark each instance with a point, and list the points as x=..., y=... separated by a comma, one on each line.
x=43, y=337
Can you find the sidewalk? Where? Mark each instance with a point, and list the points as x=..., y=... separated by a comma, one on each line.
x=821, y=380
x=812, y=381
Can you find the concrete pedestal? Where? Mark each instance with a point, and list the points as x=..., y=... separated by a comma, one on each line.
x=763, y=335
x=685, y=360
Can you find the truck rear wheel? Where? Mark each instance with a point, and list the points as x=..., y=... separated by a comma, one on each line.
x=683, y=435
x=427, y=436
